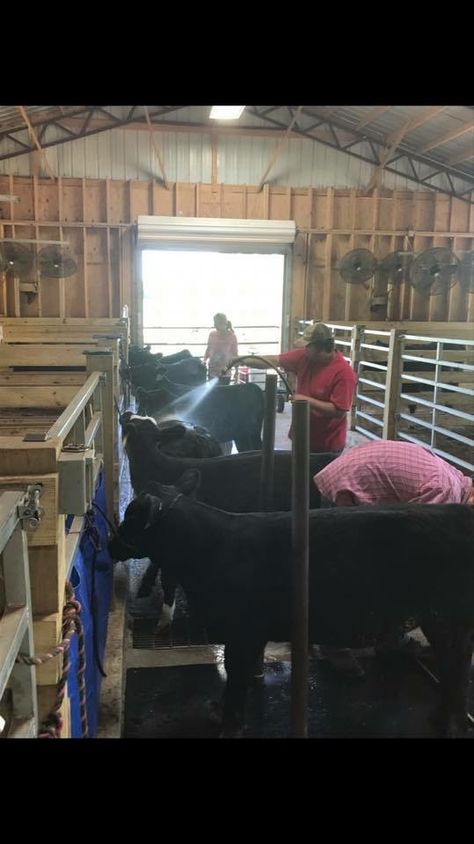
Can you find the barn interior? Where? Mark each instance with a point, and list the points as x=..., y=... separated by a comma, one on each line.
x=129, y=227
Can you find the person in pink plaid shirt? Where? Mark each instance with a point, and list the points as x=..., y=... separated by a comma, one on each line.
x=388, y=472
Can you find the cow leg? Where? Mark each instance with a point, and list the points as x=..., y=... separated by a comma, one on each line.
x=168, y=583
x=259, y=667
x=452, y=645
x=240, y=660
x=148, y=580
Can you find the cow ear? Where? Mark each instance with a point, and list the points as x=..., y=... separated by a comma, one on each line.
x=124, y=419
x=188, y=483
x=154, y=507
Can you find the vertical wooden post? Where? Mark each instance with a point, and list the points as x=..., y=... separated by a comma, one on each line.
x=392, y=392
x=300, y=547
x=268, y=455
x=348, y=297
x=61, y=281
x=357, y=335
x=326, y=303
x=103, y=361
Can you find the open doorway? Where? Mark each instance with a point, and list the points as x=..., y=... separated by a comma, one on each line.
x=182, y=290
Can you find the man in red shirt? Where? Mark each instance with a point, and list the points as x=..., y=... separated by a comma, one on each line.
x=325, y=380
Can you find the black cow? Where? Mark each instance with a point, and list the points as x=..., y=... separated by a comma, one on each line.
x=231, y=482
x=177, y=439
x=138, y=355
x=371, y=569
x=143, y=375
x=233, y=412
x=190, y=371
x=142, y=354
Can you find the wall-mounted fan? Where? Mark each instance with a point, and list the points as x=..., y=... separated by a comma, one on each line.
x=434, y=271
x=395, y=267
x=56, y=262
x=15, y=257
x=358, y=266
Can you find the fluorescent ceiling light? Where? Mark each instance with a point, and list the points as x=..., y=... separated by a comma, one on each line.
x=226, y=112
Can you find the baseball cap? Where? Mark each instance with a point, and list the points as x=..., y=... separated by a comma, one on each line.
x=317, y=333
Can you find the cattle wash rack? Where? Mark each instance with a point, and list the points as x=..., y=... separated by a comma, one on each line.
x=439, y=414
x=61, y=453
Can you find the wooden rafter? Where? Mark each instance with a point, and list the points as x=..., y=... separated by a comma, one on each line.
x=372, y=115
x=385, y=157
x=416, y=122
x=448, y=136
x=156, y=148
x=32, y=132
x=279, y=148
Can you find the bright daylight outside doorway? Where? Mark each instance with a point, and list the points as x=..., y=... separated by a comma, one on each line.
x=183, y=290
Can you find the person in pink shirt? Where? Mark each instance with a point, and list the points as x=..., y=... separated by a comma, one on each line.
x=325, y=380
x=221, y=346
x=392, y=472
x=388, y=472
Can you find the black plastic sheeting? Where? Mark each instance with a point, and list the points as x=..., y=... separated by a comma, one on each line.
x=395, y=700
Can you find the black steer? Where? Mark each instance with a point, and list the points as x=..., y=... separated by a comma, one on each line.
x=370, y=570
x=190, y=371
x=234, y=412
x=231, y=482
x=177, y=439
x=143, y=354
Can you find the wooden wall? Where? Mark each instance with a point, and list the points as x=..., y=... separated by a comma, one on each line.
x=96, y=217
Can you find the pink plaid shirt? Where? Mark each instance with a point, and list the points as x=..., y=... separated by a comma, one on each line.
x=389, y=472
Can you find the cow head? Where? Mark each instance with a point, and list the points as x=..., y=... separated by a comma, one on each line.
x=135, y=537
x=149, y=431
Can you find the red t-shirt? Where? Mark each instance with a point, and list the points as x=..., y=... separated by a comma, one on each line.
x=334, y=383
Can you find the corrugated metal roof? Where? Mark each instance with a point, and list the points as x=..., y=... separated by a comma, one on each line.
x=128, y=153
x=441, y=124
